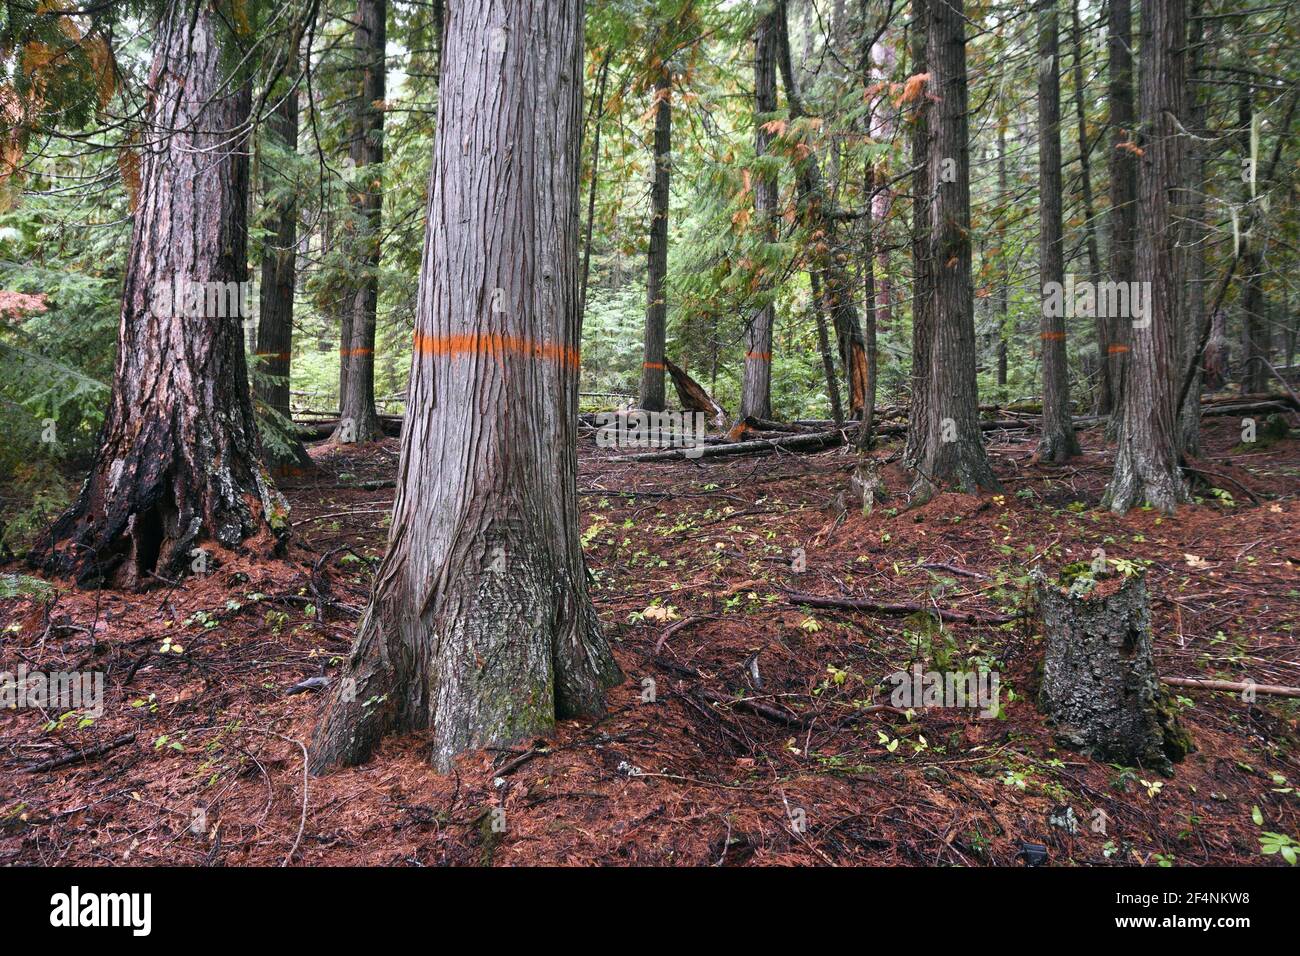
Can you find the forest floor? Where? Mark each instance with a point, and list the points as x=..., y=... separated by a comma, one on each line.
x=755, y=748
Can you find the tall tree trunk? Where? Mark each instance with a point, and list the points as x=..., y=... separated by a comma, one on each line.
x=826, y=260
x=953, y=454
x=358, y=420
x=823, y=345
x=1254, y=325
x=1104, y=390
x=656, y=311
x=480, y=627
x=1146, y=457
x=279, y=262
x=177, y=466
x=1004, y=293
x=597, y=115
x=1123, y=190
x=1195, y=237
x=922, y=267
x=1057, y=442
x=882, y=59
x=756, y=387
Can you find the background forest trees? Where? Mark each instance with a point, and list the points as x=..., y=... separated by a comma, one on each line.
x=795, y=192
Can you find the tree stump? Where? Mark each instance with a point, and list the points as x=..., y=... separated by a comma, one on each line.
x=1100, y=686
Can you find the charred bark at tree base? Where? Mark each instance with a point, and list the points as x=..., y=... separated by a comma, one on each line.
x=1100, y=686
x=179, y=462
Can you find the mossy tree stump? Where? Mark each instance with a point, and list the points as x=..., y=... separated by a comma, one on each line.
x=1100, y=686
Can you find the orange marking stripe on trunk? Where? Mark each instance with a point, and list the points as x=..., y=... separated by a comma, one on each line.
x=1117, y=349
x=1053, y=336
x=657, y=366
x=495, y=343
x=760, y=356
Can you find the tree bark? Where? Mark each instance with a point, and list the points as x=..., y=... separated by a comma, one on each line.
x=836, y=288
x=952, y=454
x=1146, y=456
x=1105, y=391
x=922, y=267
x=279, y=262
x=1254, y=370
x=656, y=312
x=1100, y=687
x=1195, y=238
x=597, y=115
x=480, y=627
x=178, y=461
x=1057, y=442
x=828, y=360
x=359, y=421
x=1004, y=293
x=756, y=385
x=1122, y=219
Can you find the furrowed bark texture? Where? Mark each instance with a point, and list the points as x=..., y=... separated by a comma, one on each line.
x=1057, y=441
x=178, y=463
x=279, y=261
x=656, y=310
x=1100, y=685
x=1146, y=456
x=358, y=420
x=952, y=453
x=756, y=386
x=480, y=627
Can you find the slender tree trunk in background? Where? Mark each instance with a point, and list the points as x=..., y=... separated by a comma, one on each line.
x=357, y=419
x=1255, y=375
x=480, y=627
x=1057, y=442
x=1004, y=293
x=837, y=288
x=178, y=462
x=279, y=261
x=878, y=61
x=953, y=454
x=823, y=344
x=1217, y=351
x=656, y=312
x=1104, y=391
x=922, y=267
x=756, y=387
x=1123, y=190
x=1195, y=237
x=881, y=129
x=1146, y=457
x=869, y=334
x=597, y=115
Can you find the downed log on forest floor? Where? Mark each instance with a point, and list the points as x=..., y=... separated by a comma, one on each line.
x=901, y=609
x=322, y=429
x=817, y=440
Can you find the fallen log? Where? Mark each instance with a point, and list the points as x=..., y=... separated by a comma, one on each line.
x=81, y=755
x=320, y=430
x=1274, y=690
x=817, y=440
x=901, y=609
